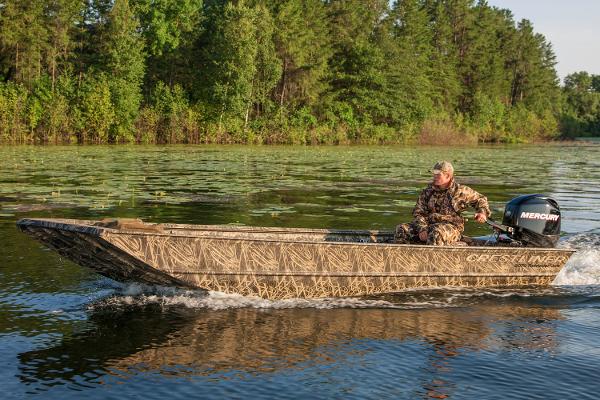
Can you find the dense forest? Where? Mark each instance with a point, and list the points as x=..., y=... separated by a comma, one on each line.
x=282, y=71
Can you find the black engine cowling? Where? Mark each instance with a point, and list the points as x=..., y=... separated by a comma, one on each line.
x=534, y=219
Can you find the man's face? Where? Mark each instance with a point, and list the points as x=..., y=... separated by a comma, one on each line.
x=441, y=178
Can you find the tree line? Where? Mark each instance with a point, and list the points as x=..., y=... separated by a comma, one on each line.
x=281, y=71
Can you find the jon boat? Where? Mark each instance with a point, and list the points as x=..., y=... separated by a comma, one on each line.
x=279, y=263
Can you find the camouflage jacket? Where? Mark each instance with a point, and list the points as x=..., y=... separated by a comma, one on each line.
x=445, y=205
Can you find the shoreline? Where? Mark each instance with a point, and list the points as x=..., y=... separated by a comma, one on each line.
x=415, y=143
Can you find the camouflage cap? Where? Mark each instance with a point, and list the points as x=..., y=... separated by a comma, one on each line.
x=443, y=166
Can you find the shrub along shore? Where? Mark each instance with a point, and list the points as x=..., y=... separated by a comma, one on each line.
x=282, y=72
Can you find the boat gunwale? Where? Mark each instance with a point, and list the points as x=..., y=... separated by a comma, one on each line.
x=99, y=231
x=210, y=228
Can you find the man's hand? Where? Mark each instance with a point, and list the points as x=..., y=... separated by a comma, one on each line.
x=423, y=236
x=480, y=217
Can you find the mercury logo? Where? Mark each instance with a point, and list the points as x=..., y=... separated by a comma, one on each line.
x=547, y=217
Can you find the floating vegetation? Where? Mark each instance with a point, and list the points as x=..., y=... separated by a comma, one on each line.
x=294, y=186
x=273, y=211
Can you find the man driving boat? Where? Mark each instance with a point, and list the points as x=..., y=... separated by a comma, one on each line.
x=437, y=219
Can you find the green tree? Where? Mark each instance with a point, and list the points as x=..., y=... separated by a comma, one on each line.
x=581, y=114
x=228, y=55
x=596, y=83
x=238, y=64
x=124, y=62
x=444, y=58
x=169, y=28
x=63, y=15
x=172, y=106
x=481, y=34
x=14, y=112
x=302, y=43
x=95, y=113
x=165, y=22
x=268, y=65
x=50, y=107
x=461, y=18
x=24, y=38
x=36, y=37
x=407, y=41
x=534, y=79
x=357, y=64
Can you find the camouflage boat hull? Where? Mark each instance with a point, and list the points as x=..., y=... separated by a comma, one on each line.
x=280, y=263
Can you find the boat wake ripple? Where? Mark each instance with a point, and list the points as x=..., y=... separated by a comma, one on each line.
x=138, y=295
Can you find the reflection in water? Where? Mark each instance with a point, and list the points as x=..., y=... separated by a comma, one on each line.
x=213, y=344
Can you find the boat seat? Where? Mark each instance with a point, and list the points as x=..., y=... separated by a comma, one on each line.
x=129, y=224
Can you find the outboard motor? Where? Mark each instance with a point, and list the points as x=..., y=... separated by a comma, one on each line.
x=533, y=220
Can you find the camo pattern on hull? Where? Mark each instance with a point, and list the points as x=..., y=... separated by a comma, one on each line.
x=270, y=264
x=88, y=250
x=285, y=287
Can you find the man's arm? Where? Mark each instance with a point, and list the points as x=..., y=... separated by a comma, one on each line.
x=421, y=211
x=476, y=200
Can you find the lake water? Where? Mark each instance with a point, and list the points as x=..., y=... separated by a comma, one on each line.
x=66, y=332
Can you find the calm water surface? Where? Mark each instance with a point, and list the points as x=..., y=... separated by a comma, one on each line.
x=66, y=332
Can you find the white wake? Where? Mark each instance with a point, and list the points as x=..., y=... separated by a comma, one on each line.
x=583, y=268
